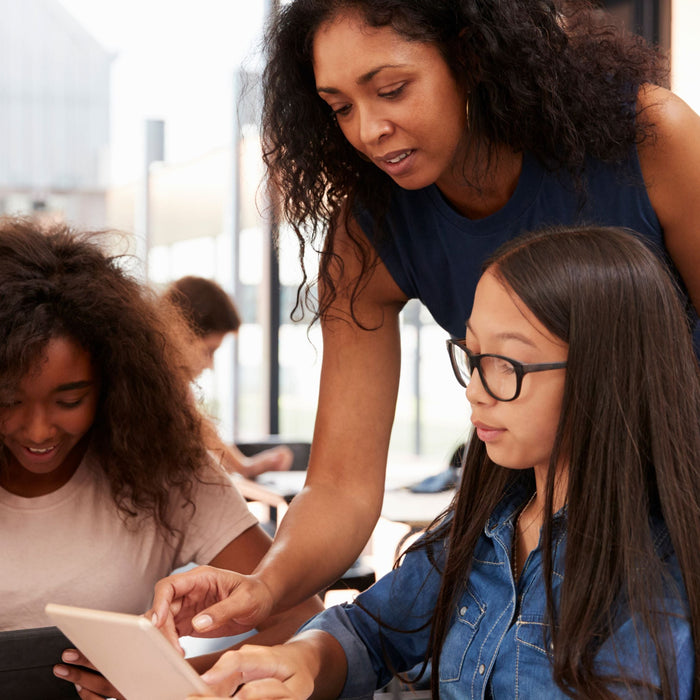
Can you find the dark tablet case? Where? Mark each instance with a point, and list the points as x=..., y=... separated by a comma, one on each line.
x=27, y=658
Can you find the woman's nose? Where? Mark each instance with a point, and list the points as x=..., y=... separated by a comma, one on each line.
x=475, y=391
x=373, y=127
x=38, y=427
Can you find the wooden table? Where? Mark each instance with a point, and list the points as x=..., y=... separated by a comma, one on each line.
x=417, y=510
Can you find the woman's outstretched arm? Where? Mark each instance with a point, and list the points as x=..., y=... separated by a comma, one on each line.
x=330, y=521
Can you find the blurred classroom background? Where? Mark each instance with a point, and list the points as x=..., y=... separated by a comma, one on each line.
x=142, y=115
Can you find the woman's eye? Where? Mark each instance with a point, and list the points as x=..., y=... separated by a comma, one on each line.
x=504, y=366
x=391, y=94
x=65, y=403
x=341, y=111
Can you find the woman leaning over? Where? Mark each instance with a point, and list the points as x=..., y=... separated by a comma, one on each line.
x=407, y=140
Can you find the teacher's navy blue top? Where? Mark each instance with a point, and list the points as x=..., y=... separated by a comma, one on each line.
x=497, y=641
x=435, y=254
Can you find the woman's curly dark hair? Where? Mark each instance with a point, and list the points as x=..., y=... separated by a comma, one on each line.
x=147, y=431
x=557, y=79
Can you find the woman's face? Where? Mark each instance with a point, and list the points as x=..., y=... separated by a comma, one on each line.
x=50, y=412
x=517, y=434
x=203, y=352
x=395, y=100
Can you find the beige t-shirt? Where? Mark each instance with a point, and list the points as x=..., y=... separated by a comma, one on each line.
x=72, y=547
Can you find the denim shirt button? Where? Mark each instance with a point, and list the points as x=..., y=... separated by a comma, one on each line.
x=463, y=610
x=482, y=668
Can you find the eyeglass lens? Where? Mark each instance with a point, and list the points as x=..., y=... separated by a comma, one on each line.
x=498, y=375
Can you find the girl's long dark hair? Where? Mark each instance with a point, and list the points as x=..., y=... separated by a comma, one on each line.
x=630, y=432
x=61, y=283
x=556, y=79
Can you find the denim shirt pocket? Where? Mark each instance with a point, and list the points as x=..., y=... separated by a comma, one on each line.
x=532, y=633
x=468, y=615
x=533, y=664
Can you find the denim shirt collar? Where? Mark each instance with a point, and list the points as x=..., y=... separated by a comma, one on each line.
x=501, y=522
x=515, y=496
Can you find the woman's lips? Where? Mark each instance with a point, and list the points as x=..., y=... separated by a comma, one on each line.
x=40, y=454
x=486, y=433
x=396, y=163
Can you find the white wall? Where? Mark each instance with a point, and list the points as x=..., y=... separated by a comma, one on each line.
x=54, y=99
x=685, y=58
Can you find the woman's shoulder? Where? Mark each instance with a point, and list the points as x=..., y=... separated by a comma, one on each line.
x=662, y=109
x=211, y=472
x=669, y=157
x=212, y=498
x=669, y=123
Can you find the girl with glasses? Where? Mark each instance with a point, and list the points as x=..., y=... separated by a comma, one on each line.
x=406, y=140
x=568, y=564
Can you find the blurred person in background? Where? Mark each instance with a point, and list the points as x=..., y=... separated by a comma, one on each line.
x=212, y=315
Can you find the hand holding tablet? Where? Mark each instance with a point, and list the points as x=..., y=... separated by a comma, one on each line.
x=27, y=661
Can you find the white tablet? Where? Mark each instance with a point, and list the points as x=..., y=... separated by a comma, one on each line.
x=130, y=653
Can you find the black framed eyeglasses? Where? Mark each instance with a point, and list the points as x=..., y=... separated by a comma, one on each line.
x=500, y=376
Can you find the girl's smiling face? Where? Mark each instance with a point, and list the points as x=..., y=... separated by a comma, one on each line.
x=396, y=101
x=44, y=421
x=517, y=434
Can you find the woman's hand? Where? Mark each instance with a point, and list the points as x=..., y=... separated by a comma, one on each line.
x=311, y=662
x=209, y=602
x=276, y=459
x=90, y=684
x=264, y=672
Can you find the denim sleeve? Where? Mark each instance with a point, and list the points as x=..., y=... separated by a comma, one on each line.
x=386, y=629
x=635, y=656
x=361, y=680
x=631, y=648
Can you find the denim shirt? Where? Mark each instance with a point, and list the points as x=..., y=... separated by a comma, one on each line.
x=497, y=642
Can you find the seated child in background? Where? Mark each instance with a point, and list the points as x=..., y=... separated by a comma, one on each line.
x=568, y=565
x=211, y=314
x=106, y=485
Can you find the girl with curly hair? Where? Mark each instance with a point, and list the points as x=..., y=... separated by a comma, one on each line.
x=405, y=141
x=568, y=564
x=105, y=483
